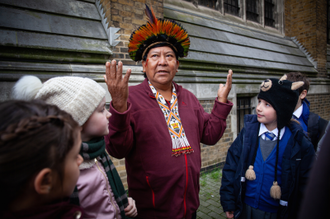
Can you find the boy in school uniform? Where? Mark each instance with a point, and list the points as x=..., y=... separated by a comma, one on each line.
x=311, y=122
x=267, y=165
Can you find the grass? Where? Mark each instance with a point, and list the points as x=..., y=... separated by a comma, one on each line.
x=203, y=179
x=214, y=174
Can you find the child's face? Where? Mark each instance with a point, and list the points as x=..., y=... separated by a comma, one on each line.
x=71, y=167
x=266, y=114
x=97, y=123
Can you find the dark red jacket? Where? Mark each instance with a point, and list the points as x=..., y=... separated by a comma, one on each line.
x=61, y=210
x=162, y=185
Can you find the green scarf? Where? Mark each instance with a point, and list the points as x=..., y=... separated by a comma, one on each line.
x=96, y=148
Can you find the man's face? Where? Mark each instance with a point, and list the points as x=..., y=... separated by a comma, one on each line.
x=160, y=66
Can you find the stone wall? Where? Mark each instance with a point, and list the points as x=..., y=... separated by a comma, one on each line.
x=307, y=21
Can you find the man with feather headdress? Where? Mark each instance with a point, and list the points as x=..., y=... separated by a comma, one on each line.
x=157, y=126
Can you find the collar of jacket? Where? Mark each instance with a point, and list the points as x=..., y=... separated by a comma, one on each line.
x=86, y=164
x=146, y=87
x=306, y=102
x=305, y=112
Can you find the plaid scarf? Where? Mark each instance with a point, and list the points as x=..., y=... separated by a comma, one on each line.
x=180, y=144
x=96, y=148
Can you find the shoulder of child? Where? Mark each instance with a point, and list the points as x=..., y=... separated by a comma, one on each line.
x=295, y=127
x=301, y=136
x=250, y=118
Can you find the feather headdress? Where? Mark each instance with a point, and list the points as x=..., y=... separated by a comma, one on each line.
x=158, y=31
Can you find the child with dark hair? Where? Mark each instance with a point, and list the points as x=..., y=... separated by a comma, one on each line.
x=99, y=191
x=312, y=123
x=39, y=161
x=267, y=165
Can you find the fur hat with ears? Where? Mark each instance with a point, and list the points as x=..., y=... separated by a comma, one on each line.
x=75, y=95
x=283, y=96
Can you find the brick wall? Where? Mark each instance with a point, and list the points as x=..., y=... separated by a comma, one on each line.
x=320, y=104
x=216, y=154
x=128, y=15
x=307, y=21
x=121, y=169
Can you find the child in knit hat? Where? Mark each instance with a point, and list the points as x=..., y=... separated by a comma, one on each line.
x=99, y=189
x=267, y=165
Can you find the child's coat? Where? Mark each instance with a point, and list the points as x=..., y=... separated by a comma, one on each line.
x=296, y=163
x=95, y=193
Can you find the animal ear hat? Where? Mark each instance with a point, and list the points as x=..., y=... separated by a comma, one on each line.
x=283, y=96
x=158, y=31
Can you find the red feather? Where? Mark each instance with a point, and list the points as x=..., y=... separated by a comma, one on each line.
x=151, y=15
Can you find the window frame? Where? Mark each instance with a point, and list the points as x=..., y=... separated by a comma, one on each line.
x=247, y=101
x=204, y=3
x=249, y=10
x=277, y=12
x=328, y=22
x=267, y=10
x=232, y=7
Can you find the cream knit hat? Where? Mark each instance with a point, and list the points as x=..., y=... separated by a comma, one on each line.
x=75, y=95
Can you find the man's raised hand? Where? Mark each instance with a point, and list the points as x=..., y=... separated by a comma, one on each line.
x=117, y=84
x=225, y=89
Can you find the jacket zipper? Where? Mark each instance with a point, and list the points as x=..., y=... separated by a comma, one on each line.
x=185, y=191
x=116, y=212
x=153, y=194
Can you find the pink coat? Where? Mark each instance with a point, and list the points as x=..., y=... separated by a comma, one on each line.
x=95, y=194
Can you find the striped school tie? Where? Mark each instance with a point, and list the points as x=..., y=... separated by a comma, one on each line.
x=269, y=136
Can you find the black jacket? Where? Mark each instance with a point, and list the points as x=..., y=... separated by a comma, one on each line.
x=316, y=127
